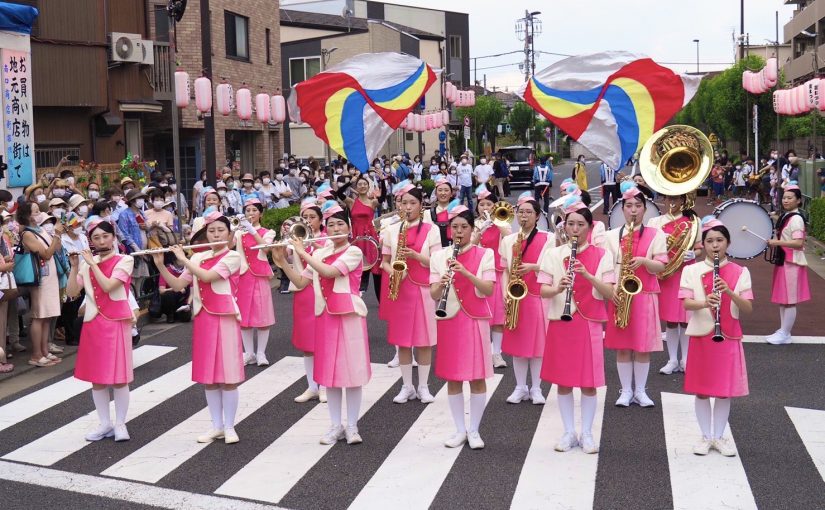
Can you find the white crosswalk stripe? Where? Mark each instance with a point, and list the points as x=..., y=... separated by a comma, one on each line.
x=810, y=425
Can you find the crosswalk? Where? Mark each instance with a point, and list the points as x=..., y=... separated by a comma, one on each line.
x=412, y=472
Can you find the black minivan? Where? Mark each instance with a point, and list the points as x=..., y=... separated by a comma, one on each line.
x=519, y=159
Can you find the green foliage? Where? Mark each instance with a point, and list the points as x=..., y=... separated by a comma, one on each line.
x=428, y=185
x=273, y=218
x=555, y=157
x=485, y=115
x=522, y=117
x=817, y=218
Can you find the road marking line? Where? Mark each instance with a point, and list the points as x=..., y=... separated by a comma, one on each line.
x=596, y=205
x=166, y=453
x=120, y=490
x=710, y=481
x=414, y=471
x=760, y=339
x=810, y=425
x=273, y=473
x=36, y=402
x=70, y=438
x=574, y=478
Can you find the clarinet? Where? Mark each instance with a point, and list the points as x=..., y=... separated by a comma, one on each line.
x=441, y=308
x=717, y=326
x=566, y=316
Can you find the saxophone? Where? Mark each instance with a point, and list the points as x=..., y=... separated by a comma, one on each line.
x=629, y=283
x=517, y=288
x=399, y=264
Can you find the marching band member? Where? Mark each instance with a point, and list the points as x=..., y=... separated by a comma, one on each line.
x=642, y=333
x=717, y=368
x=254, y=292
x=383, y=302
x=488, y=235
x=790, y=273
x=362, y=211
x=217, y=351
x=463, y=335
x=411, y=317
x=342, y=355
x=437, y=214
x=525, y=341
x=671, y=308
x=104, y=357
x=573, y=352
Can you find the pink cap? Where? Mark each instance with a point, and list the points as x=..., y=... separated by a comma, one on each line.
x=708, y=222
x=482, y=192
x=252, y=201
x=406, y=188
x=212, y=217
x=573, y=204
x=525, y=197
x=329, y=211
x=308, y=203
x=455, y=211
x=442, y=180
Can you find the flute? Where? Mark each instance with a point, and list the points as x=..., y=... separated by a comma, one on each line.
x=717, y=325
x=566, y=316
x=287, y=243
x=152, y=251
x=441, y=308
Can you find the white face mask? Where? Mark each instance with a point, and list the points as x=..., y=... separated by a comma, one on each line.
x=267, y=180
x=248, y=184
x=303, y=179
x=339, y=171
x=41, y=198
x=463, y=161
x=258, y=185
x=282, y=165
x=58, y=212
x=78, y=231
x=139, y=203
x=59, y=192
x=452, y=172
x=293, y=172
x=173, y=187
x=483, y=161
x=222, y=193
x=158, y=205
x=94, y=194
x=49, y=228
x=83, y=210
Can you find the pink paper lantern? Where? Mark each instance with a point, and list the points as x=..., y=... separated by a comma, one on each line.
x=452, y=92
x=428, y=122
x=802, y=105
x=438, y=122
x=472, y=98
x=203, y=94
x=182, y=90
x=243, y=103
x=812, y=90
x=771, y=71
x=445, y=117
x=419, y=123
x=776, y=101
x=403, y=124
x=277, y=104
x=746, y=80
x=262, y=108
x=225, y=98
x=410, y=122
x=459, y=100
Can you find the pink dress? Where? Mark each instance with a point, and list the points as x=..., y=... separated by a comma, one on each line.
x=671, y=308
x=464, y=336
x=342, y=351
x=526, y=340
x=254, y=291
x=574, y=351
x=491, y=238
x=105, y=352
x=790, y=280
x=217, y=351
x=303, y=316
x=362, y=216
x=643, y=332
x=716, y=369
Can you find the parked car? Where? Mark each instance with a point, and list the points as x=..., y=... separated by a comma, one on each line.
x=519, y=158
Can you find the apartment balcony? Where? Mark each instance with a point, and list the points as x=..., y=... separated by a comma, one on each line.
x=804, y=20
x=162, y=79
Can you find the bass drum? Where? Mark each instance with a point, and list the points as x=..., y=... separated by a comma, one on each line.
x=742, y=217
x=616, y=219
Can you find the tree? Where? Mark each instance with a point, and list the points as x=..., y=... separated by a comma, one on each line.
x=521, y=119
x=485, y=116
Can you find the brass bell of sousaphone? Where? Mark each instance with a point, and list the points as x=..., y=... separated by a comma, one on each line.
x=676, y=160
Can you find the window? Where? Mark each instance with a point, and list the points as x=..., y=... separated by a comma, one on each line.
x=455, y=46
x=237, y=35
x=161, y=23
x=301, y=69
x=268, y=50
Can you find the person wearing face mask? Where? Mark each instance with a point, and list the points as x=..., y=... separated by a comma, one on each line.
x=248, y=190
x=465, y=181
x=267, y=189
x=127, y=184
x=59, y=189
x=79, y=205
x=294, y=182
x=232, y=199
x=157, y=216
x=57, y=208
x=74, y=241
x=33, y=193
x=172, y=186
x=132, y=222
x=452, y=176
x=282, y=193
x=93, y=191
x=197, y=193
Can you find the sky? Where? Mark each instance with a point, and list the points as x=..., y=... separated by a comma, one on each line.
x=661, y=29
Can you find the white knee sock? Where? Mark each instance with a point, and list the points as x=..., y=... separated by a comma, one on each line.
x=535, y=373
x=334, y=398
x=478, y=401
x=309, y=368
x=721, y=411
x=702, y=408
x=121, y=397
x=101, y=400
x=263, y=339
x=520, y=369
x=229, y=400
x=353, y=405
x=588, y=413
x=214, y=401
x=423, y=374
x=457, y=410
x=684, y=342
x=790, y=319
x=625, y=370
x=496, y=336
x=672, y=341
x=566, y=410
x=782, y=322
x=248, y=337
x=640, y=371
x=406, y=375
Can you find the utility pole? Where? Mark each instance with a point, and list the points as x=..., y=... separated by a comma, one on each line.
x=742, y=29
x=208, y=120
x=526, y=30
x=777, y=60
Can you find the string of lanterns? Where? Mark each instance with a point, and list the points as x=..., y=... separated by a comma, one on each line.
x=794, y=101
x=761, y=81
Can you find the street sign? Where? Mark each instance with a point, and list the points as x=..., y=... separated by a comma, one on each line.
x=442, y=136
x=466, y=132
x=466, y=121
x=442, y=148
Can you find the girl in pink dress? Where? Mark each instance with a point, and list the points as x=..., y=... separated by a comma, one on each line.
x=717, y=369
x=488, y=235
x=362, y=211
x=642, y=335
x=411, y=317
x=254, y=291
x=573, y=353
x=217, y=350
x=104, y=357
x=437, y=214
x=525, y=342
x=671, y=308
x=790, y=273
x=342, y=355
x=464, y=334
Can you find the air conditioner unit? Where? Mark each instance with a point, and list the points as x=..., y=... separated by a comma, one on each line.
x=148, y=49
x=125, y=47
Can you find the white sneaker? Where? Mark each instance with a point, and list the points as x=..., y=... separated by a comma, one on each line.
x=724, y=446
x=333, y=435
x=672, y=366
x=640, y=397
x=262, y=361
x=498, y=361
x=230, y=436
x=456, y=440
x=249, y=358
x=394, y=363
x=211, y=436
x=536, y=396
x=567, y=442
x=306, y=396
x=407, y=393
x=102, y=432
x=779, y=338
x=624, y=398
x=424, y=395
x=519, y=394
x=702, y=447
x=682, y=365
x=589, y=444
x=475, y=440
x=121, y=434
x=55, y=349
x=352, y=435
x=322, y=395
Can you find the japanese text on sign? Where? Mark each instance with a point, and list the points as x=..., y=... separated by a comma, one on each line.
x=18, y=137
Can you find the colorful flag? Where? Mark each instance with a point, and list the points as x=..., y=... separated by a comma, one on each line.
x=356, y=105
x=610, y=102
